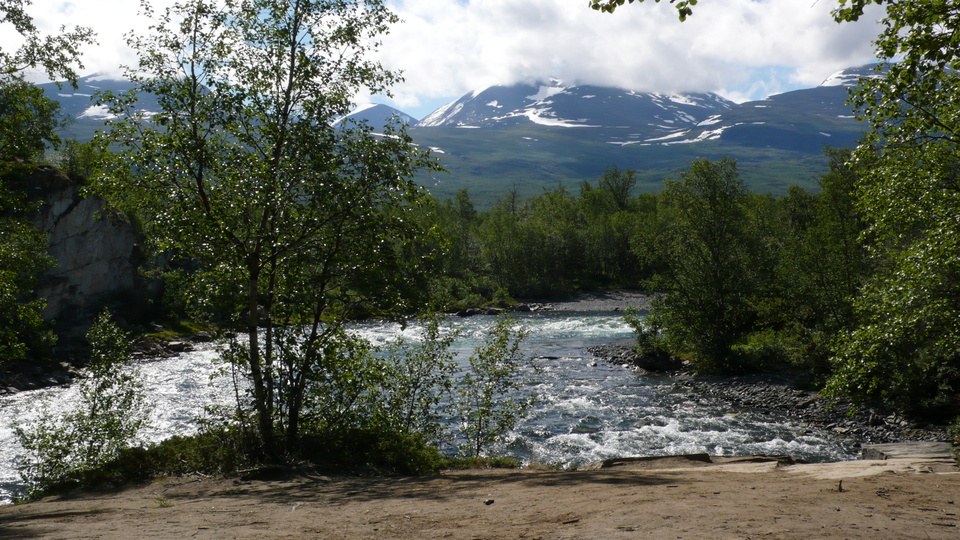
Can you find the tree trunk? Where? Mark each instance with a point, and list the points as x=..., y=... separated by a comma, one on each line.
x=261, y=397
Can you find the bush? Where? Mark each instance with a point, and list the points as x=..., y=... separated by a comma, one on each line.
x=64, y=451
x=80, y=161
x=487, y=399
x=373, y=451
x=650, y=341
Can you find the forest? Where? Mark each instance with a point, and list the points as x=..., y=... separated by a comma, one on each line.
x=275, y=226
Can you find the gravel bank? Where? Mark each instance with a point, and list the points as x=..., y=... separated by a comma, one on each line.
x=863, y=425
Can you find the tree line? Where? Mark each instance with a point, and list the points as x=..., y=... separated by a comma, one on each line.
x=744, y=282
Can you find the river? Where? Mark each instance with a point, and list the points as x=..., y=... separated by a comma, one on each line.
x=586, y=409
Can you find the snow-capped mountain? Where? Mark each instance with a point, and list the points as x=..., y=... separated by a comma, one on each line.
x=802, y=120
x=532, y=136
x=554, y=104
x=79, y=103
x=536, y=136
x=377, y=116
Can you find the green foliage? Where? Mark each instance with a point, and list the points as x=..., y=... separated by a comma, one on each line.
x=618, y=185
x=375, y=451
x=822, y=267
x=348, y=390
x=710, y=256
x=684, y=7
x=57, y=55
x=488, y=400
x=300, y=224
x=903, y=349
x=557, y=243
x=80, y=161
x=111, y=412
x=650, y=340
x=420, y=379
x=28, y=121
x=23, y=332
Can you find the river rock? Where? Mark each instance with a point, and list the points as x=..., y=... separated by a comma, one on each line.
x=841, y=419
x=623, y=353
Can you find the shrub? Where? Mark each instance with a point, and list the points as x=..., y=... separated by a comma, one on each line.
x=487, y=400
x=61, y=451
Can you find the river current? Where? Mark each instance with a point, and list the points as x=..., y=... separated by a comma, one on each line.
x=586, y=410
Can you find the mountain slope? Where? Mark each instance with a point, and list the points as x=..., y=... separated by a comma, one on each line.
x=531, y=137
x=624, y=112
x=377, y=116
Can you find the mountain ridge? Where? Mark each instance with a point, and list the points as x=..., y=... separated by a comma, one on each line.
x=531, y=137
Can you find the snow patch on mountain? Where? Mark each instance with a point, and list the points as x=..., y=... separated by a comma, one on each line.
x=711, y=120
x=439, y=116
x=97, y=112
x=708, y=135
x=841, y=78
x=544, y=117
x=546, y=92
x=667, y=137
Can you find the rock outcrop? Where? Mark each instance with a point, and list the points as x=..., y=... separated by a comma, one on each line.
x=96, y=249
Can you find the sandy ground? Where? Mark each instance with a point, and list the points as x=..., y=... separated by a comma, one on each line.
x=661, y=498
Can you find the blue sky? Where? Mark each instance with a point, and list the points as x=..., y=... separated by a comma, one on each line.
x=742, y=49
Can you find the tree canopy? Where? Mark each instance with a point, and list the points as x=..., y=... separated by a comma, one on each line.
x=295, y=223
x=684, y=7
x=28, y=123
x=908, y=340
x=900, y=342
x=57, y=55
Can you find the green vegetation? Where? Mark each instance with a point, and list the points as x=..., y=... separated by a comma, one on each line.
x=882, y=252
x=907, y=340
x=24, y=336
x=28, y=124
x=293, y=223
x=707, y=247
x=609, y=6
x=28, y=120
x=486, y=400
x=489, y=162
x=65, y=450
x=281, y=226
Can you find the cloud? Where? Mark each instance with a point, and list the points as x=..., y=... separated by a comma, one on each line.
x=449, y=47
x=110, y=19
x=745, y=49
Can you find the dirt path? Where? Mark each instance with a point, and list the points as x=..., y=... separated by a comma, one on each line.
x=665, y=498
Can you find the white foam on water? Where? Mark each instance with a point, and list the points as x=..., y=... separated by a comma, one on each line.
x=587, y=410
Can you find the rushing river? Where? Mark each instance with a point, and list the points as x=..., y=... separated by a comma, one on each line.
x=586, y=410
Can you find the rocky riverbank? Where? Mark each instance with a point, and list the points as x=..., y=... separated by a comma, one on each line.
x=787, y=397
x=72, y=360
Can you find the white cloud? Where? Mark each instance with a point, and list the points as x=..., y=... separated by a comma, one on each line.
x=110, y=19
x=745, y=49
